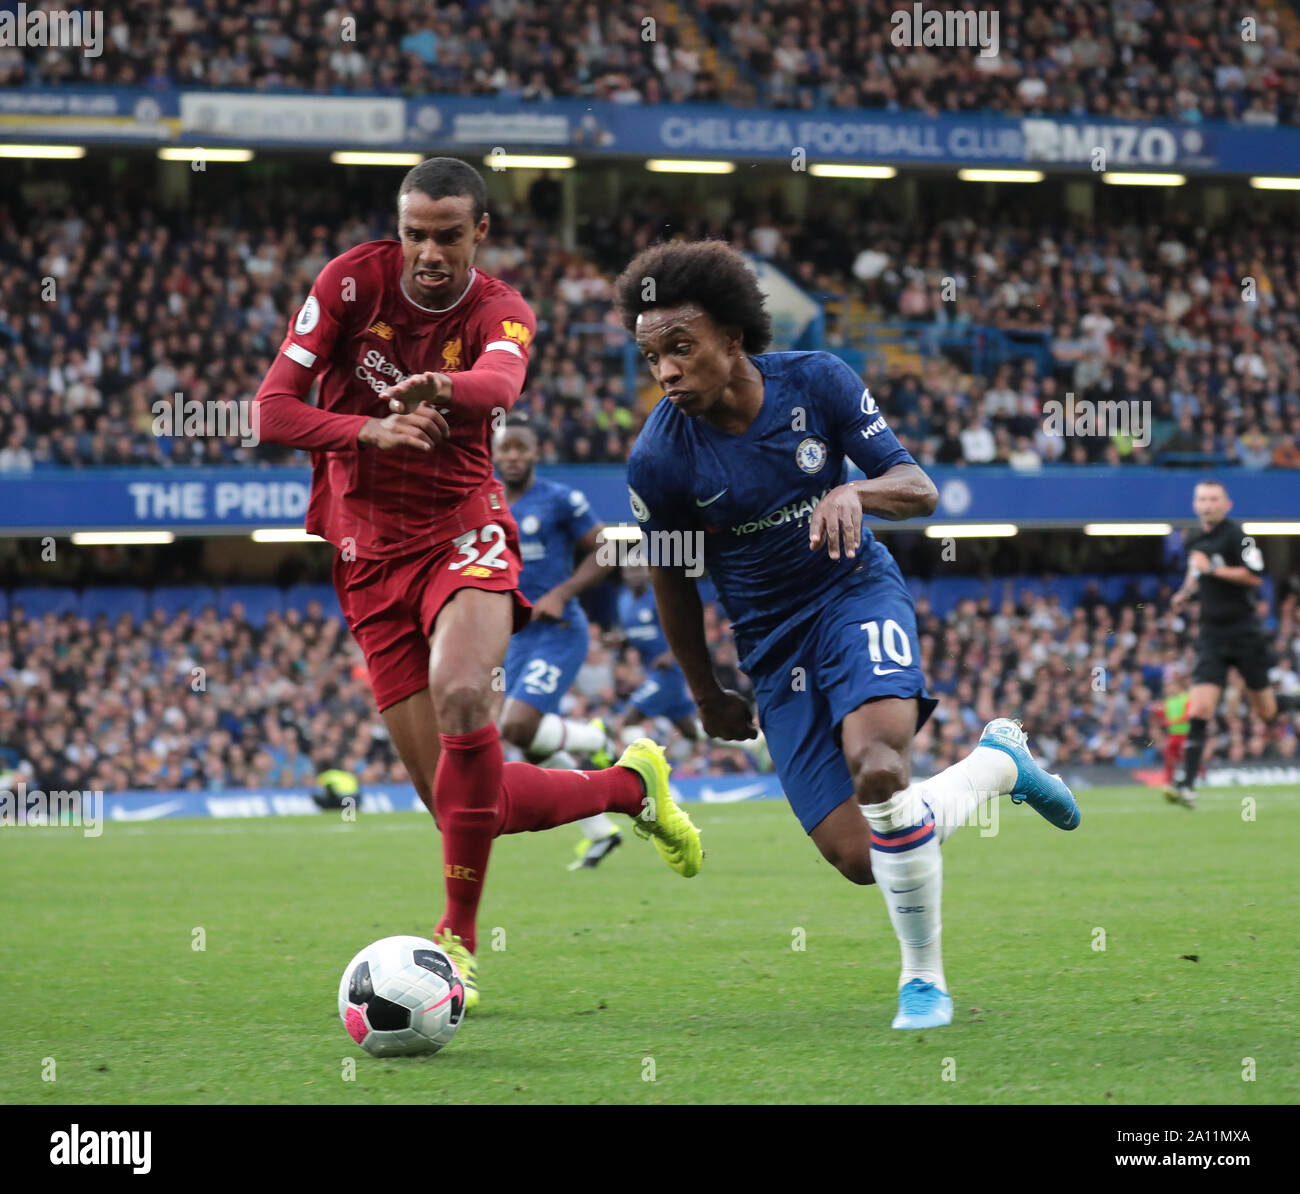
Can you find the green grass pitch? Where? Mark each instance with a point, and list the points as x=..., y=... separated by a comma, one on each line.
x=630, y=985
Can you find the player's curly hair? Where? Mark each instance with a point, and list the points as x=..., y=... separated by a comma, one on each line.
x=709, y=273
x=440, y=178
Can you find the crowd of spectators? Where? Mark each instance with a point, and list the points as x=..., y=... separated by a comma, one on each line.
x=109, y=310
x=1184, y=60
x=208, y=703
x=1187, y=60
x=1198, y=326
x=506, y=49
x=1194, y=329
x=1086, y=681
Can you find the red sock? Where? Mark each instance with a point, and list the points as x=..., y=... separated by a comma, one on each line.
x=541, y=798
x=467, y=795
x=1173, y=756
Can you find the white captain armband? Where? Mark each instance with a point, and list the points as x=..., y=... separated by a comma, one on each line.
x=296, y=352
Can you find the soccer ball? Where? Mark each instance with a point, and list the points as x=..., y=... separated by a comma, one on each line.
x=401, y=995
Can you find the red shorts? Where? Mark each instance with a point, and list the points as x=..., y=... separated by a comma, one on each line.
x=391, y=605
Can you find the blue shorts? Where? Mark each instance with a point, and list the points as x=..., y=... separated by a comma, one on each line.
x=860, y=646
x=543, y=660
x=663, y=694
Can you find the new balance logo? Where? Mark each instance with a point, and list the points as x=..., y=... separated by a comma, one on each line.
x=381, y=329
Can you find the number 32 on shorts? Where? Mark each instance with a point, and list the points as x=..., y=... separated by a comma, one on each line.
x=473, y=553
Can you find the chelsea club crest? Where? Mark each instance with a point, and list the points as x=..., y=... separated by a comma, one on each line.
x=810, y=455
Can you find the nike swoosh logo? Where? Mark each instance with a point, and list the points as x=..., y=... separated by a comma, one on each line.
x=889, y=671
x=151, y=813
x=905, y=890
x=456, y=990
x=711, y=500
x=709, y=795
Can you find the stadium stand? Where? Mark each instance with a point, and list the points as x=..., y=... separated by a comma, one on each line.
x=1133, y=59
x=99, y=690
x=196, y=303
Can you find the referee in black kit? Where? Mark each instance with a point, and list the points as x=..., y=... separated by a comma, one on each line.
x=1224, y=569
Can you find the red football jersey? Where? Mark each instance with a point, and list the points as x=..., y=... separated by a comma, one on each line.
x=360, y=332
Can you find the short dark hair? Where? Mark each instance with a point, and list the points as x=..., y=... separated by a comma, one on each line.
x=709, y=273
x=1215, y=482
x=518, y=421
x=440, y=178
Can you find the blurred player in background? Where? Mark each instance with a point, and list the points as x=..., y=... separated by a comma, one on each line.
x=747, y=453
x=418, y=353
x=1172, y=711
x=663, y=693
x=1225, y=569
x=555, y=524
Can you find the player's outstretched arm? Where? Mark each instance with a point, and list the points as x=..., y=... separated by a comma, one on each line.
x=724, y=714
x=904, y=491
x=1186, y=591
x=422, y=429
x=284, y=417
x=1199, y=564
x=590, y=571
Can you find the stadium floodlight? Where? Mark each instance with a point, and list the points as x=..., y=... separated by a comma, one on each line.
x=530, y=161
x=1271, y=528
x=284, y=535
x=1122, y=178
x=348, y=157
x=121, y=538
x=1264, y=182
x=42, y=151
x=1127, y=528
x=618, y=532
x=835, y=170
x=972, y=530
x=1000, y=175
x=178, y=153
x=676, y=166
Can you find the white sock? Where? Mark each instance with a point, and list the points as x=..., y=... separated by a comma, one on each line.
x=599, y=827
x=911, y=881
x=554, y=733
x=632, y=733
x=956, y=795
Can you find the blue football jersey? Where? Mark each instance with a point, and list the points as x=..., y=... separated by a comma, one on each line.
x=640, y=621
x=552, y=518
x=752, y=495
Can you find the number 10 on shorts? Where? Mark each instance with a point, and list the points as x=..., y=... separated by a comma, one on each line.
x=894, y=639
